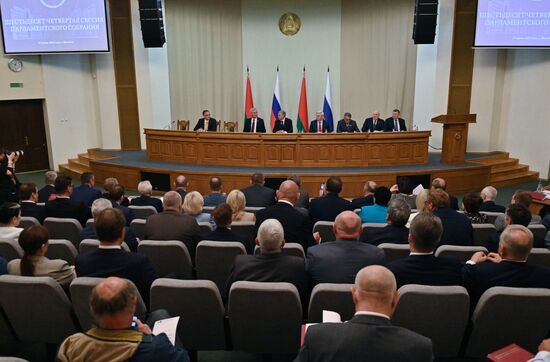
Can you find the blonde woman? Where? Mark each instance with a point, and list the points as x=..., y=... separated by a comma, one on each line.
x=193, y=204
x=421, y=200
x=237, y=201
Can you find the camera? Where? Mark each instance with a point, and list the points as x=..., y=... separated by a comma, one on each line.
x=17, y=153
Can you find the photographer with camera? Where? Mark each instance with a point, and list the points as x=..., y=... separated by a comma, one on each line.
x=9, y=184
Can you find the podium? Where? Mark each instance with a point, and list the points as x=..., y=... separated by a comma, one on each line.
x=455, y=136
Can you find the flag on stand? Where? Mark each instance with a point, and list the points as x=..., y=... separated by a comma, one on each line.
x=327, y=105
x=303, y=123
x=249, y=102
x=276, y=105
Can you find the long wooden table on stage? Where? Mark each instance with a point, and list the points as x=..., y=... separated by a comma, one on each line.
x=289, y=150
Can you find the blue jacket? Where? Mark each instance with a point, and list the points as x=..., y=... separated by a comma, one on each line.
x=85, y=194
x=374, y=213
x=214, y=199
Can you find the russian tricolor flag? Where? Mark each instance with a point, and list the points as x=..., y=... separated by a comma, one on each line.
x=327, y=105
x=276, y=105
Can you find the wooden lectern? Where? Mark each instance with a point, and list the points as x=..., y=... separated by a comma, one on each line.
x=455, y=136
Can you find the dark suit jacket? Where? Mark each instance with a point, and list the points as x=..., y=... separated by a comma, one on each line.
x=126, y=211
x=349, y=128
x=129, y=238
x=85, y=194
x=339, y=261
x=182, y=193
x=125, y=200
x=313, y=127
x=3, y=266
x=158, y=348
x=288, y=127
x=259, y=196
x=212, y=125
x=389, y=125
x=326, y=208
x=297, y=227
x=31, y=209
x=457, y=228
x=362, y=201
x=369, y=126
x=491, y=206
x=147, y=201
x=171, y=225
x=427, y=270
x=303, y=201
x=225, y=234
x=260, y=126
x=67, y=208
x=364, y=338
x=387, y=234
x=45, y=192
x=454, y=202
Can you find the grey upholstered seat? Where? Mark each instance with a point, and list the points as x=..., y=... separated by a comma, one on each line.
x=324, y=228
x=439, y=313
x=62, y=249
x=10, y=250
x=61, y=228
x=6, y=332
x=253, y=209
x=294, y=249
x=214, y=261
x=138, y=228
x=538, y=230
x=464, y=253
x=89, y=222
x=333, y=297
x=143, y=212
x=199, y=304
x=88, y=245
x=395, y=251
x=167, y=257
x=254, y=330
x=245, y=228
x=373, y=225
x=27, y=221
x=492, y=216
x=509, y=315
x=482, y=233
x=205, y=227
x=539, y=256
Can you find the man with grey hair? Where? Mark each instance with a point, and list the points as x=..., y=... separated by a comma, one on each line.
x=271, y=265
x=145, y=199
x=319, y=125
x=369, y=335
x=507, y=268
x=489, y=195
x=395, y=232
x=303, y=200
x=283, y=124
x=49, y=189
x=339, y=261
x=374, y=123
x=254, y=124
x=181, y=185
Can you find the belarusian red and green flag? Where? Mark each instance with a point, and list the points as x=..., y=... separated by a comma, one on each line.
x=249, y=102
x=303, y=124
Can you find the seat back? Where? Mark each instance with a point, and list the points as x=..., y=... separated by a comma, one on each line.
x=373, y=225
x=138, y=228
x=37, y=309
x=81, y=289
x=200, y=306
x=333, y=297
x=252, y=329
x=482, y=233
x=62, y=249
x=245, y=228
x=293, y=249
x=61, y=228
x=89, y=222
x=324, y=228
x=491, y=216
x=208, y=209
x=143, y=212
x=231, y=126
x=10, y=250
x=253, y=209
x=464, y=253
x=88, y=245
x=439, y=313
x=395, y=251
x=27, y=221
x=538, y=230
x=509, y=315
x=214, y=261
x=183, y=124
x=167, y=257
x=539, y=256
x=205, y=227
x=6, y=330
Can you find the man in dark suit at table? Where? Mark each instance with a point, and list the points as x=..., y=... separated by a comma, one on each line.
x=212, y=123
x=395, y=123
x=327, y=207
x=254, y=124
x=319, y=125
x=283, y=124
x=347, y=125
x=374, y=123
x=257, y=195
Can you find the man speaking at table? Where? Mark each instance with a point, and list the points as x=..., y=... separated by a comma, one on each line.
x=254, y=124
x=319, y=125
x=374, y=123
x=347, y=125
x=212, y=123
x=394, y=123
x=282, y=124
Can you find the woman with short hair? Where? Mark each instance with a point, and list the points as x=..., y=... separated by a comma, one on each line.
x=193, y=204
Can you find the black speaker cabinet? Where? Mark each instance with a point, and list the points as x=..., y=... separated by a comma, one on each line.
x=425, y=21
x=152, y=23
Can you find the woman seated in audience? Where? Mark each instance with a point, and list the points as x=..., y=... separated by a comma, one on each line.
x=34, y=242
x=470, y=204
x=237, y=201
x=421, y=205
x=10, y=217
x=193, y=204
x=403, y=190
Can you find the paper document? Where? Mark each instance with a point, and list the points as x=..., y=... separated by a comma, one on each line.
x=417, y=189
x=331, y=317
x=168, y=326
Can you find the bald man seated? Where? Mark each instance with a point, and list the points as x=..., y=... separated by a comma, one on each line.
x=339, y=261
x=297, y=225
x=507, y=268
x=181, y=185
x=369, y=335
x=440, y=184
x=118, y=337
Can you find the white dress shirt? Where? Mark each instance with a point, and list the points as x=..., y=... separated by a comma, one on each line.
x=374, y=314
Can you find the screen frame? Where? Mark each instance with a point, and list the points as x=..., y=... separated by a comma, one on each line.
x=107, y=26
x=474, y=46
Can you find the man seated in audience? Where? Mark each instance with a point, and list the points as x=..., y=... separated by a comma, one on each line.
x=297, y=226
x=421, y=266
x=10, y=217
x=489, y=195
x=339, y=261
x=63, y=206
x=117, y=198
x=377, y=213
x=108, y=185
x=440, y=184
x=28, y=196
x=171, y=224
x=146, y=199
x=216, y=197
x=257, y=195
x=471, y=202
x=457, y=228
x=181, y=186
x=110, y=260
x=327, y=207
x=86, y=193
x=369, y=335
x=544, y=352
x=303, y=201
x=368, y=196
x=507, y=268
x=523, y=198
x=118, y=336
x=222, y=217
x=272, y=265
x=395, y=232
x=49, y=189
x=89, y=231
